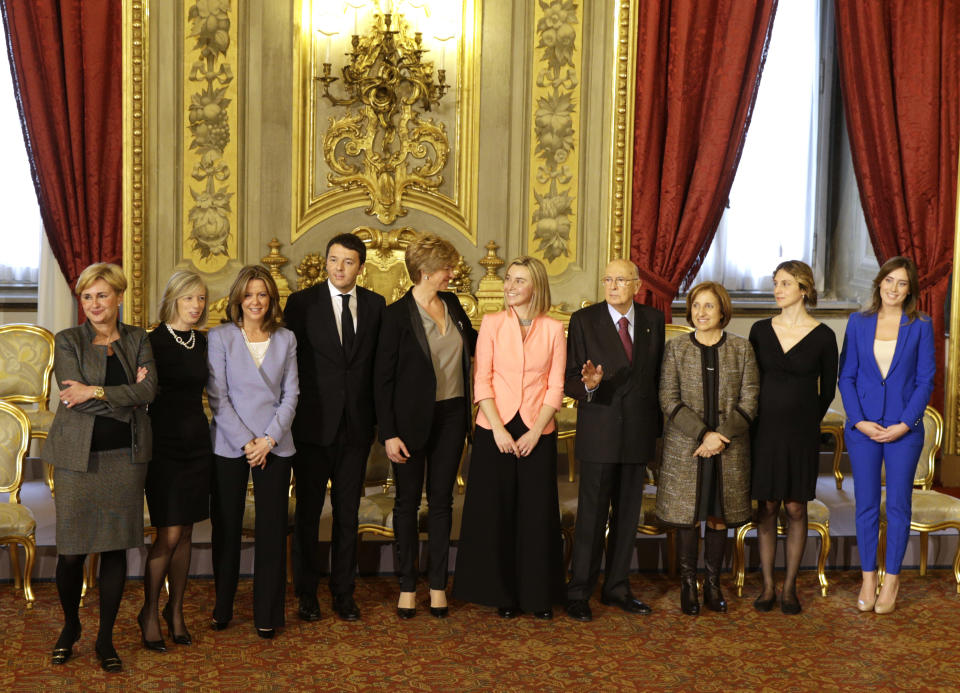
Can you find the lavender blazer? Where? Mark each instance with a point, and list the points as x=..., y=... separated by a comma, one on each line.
x=250, y=402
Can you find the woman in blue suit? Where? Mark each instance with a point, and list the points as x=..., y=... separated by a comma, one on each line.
x=253, y=390
x=887, y=367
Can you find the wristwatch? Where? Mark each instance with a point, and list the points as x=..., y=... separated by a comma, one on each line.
x=98, y=392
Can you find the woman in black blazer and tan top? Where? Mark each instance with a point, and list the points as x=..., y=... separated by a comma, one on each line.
x=422, y=378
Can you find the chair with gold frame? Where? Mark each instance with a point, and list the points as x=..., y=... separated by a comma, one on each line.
x=26, y=362
x=932, y=511
x=17, y=523
x=818, y=520
x=832, y=425
x=649, y=525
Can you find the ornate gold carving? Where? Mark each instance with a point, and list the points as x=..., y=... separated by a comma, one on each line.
x=621, y=134
x=134, y=77
x=209, y=218
x=556, y=129
x=274, y=261
x=490, y=286
x=393, y=184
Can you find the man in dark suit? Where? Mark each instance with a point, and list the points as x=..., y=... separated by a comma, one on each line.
x=614, y=350
x=337, y=324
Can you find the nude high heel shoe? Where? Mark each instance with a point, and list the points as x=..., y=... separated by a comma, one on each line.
x=868, y=596
x=887, y=601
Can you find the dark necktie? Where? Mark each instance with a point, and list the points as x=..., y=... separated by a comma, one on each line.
x=623, y=330
x=346, y=324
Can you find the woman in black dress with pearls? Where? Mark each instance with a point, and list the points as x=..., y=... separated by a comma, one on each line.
x=178, y=477
x=797, y=357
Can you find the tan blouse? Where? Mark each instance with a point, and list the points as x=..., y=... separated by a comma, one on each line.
x=445, y=351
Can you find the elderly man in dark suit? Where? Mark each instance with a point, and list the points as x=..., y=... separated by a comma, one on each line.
x=337, y=324
x=614, y=350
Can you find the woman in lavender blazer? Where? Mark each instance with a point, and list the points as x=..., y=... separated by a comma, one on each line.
x=253, y=391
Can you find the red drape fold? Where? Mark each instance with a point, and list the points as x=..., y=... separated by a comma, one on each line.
x=66, y=62
x=698, y=69
x=900, y=83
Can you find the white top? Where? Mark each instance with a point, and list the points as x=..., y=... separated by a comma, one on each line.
x=257, y=349
x=338, y=306
x=883, y=352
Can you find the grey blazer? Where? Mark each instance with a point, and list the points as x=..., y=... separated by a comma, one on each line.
x=250, y=402
x=76, y=357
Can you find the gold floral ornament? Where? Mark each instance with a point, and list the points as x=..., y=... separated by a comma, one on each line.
x=376, y=146
x=556, y=120
x=210, y=128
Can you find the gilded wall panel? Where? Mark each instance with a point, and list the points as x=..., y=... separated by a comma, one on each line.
x=370, y=156
x=210, y=154
x=554, y=150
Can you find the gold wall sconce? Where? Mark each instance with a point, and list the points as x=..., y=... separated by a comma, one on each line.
x=382, y=144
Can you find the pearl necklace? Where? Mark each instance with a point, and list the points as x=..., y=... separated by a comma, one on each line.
x=189, y=344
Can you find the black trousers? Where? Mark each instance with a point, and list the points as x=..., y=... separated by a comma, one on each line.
x=271, y=487
x=510, y=549
x=344, y=463
x=614, y=491
x=439, y=459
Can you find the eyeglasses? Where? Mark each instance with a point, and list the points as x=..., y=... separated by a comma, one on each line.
x=619, y=281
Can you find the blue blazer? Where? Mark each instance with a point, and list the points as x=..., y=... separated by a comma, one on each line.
x=250, y=402
x=904, y=394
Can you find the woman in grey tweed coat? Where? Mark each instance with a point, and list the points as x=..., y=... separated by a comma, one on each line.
x=99, y=446
x=709, y=386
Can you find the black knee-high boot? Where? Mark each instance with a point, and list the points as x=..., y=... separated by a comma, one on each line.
x=714, y=542
x=687, y=550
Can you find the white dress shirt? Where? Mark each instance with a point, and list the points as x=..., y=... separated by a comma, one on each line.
x=338, y=306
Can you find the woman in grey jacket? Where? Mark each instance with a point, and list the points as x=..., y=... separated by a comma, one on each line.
x=99, y=446
x=709, y=385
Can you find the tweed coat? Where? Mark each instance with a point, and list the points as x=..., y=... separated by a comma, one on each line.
x=681, y=398
x=76, y=357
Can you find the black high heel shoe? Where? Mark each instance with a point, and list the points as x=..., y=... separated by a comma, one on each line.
x=62, y=653
x=184, y=639
x=154, y=645
x=109, y=661
x=761, y=604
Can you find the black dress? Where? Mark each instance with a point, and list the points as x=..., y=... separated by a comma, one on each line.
x=178, y=477
x=796, y=389
x=710, y=504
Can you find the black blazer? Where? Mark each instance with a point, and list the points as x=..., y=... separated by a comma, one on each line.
x=406, y=384
x=621, y=422
x=332, y=382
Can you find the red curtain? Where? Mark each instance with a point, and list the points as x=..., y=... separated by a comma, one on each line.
x=698, y=69
x=901, y=93
x=66, y=58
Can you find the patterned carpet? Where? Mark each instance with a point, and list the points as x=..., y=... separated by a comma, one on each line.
x=830, y=646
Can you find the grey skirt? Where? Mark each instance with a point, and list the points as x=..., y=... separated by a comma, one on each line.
x=100, y=509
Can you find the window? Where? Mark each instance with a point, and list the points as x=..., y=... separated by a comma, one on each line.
x=772, y=210
x=18, y=199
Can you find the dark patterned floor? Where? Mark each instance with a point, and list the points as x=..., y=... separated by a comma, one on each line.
x=830, y=646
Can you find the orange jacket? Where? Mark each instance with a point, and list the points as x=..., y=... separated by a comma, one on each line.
x=519, y=374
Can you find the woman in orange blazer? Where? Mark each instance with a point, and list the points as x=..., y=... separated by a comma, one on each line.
x=509, y=554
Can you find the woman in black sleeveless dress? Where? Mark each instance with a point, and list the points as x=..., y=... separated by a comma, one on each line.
x=797, y=357
x=178, y=477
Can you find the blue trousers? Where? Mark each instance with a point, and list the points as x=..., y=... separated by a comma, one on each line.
x=900, y=458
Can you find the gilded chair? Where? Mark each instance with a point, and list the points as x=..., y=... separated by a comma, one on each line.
x=932, y=511
x=17, y=523
x=376, y=509
x=649, y=525
x=818, y=520
x=26, y=362
x=832, y=425
x=566, y=419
